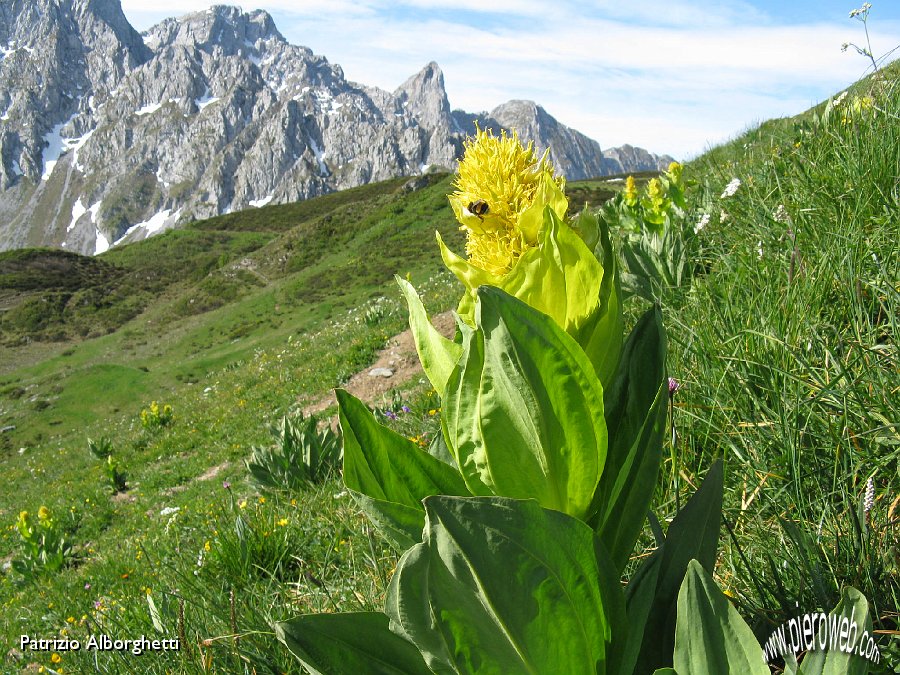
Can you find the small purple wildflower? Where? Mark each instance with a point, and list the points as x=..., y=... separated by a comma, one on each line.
x=87, y=587
x=390, y=414
x=674, y=386
x=405, y=408
x=226, y=485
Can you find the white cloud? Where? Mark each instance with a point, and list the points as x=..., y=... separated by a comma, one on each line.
x=669, y=75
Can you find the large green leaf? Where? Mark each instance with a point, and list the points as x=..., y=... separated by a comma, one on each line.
x=636, y=416
x=693, y=534
x=602, y=335
x=710, y=635
x=833, y=651
x=390, y=474
x=523, y=413
x=639, y=598
x=437, y=354
x=360, y=643
x=503, y=586
x=560, y=277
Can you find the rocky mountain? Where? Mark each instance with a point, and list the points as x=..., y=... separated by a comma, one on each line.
x=573, y=153
x=108, y=135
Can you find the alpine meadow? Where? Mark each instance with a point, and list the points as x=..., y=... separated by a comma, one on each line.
x=649, y=424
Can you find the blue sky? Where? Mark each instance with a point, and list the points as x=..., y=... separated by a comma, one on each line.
x=672, y=76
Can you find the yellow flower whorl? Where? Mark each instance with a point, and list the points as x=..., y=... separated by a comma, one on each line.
x=497, y=182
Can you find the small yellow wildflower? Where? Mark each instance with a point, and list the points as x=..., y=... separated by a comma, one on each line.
x=55, y=658
x=43, y=514
x=262, y=500
x=207, y=546
x=71, y=619
x=631, y=193
x=242, y=504
x=283, y=522
x=675, y=169
x=498, y=181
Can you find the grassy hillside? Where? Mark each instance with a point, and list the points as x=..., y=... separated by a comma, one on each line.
x=784, y=339
x=231, y=321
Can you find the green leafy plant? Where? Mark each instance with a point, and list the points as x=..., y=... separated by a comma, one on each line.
x=303, y=454
x=531, y=502
x=45, y=548
x=657, y=242
x=112, y=469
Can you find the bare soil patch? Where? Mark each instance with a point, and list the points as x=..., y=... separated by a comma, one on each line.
x=399, y=356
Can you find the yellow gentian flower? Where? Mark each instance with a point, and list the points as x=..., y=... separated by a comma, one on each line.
x=498, y=183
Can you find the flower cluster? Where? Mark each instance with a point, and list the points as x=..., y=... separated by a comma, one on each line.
x=155, y=416
x=498, y=181
x=731, y=189
x=702, y=223
x=863, y=11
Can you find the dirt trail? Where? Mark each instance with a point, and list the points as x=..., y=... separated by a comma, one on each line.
x=399, y=357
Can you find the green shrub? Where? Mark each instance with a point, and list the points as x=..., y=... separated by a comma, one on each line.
x=45, y=548
x=302, y=454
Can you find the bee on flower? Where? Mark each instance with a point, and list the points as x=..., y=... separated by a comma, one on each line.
x=501, y=179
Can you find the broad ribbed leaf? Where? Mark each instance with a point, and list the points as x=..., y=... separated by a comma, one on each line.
x=560, y=277
x=636, y=417
x=471, y=277
x=639, y=598
x=504, y=586
x=523, y=413
x=832, y=658
x=603, y=334
x=360, y=643
x=693, y=534
x=437, y=354
x=393, y=473
x=710, y=636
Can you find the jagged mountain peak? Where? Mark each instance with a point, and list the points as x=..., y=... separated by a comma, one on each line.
x=109, y=136
x=430, y=75
x=624, y=156
x=424, y=95
x=26, y=22
x=224, y=26
x=524, y=115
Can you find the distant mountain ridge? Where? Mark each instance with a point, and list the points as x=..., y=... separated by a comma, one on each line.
x=108, y=135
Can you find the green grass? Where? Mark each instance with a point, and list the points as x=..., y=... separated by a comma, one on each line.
x=787, y=358
x=787, y=346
